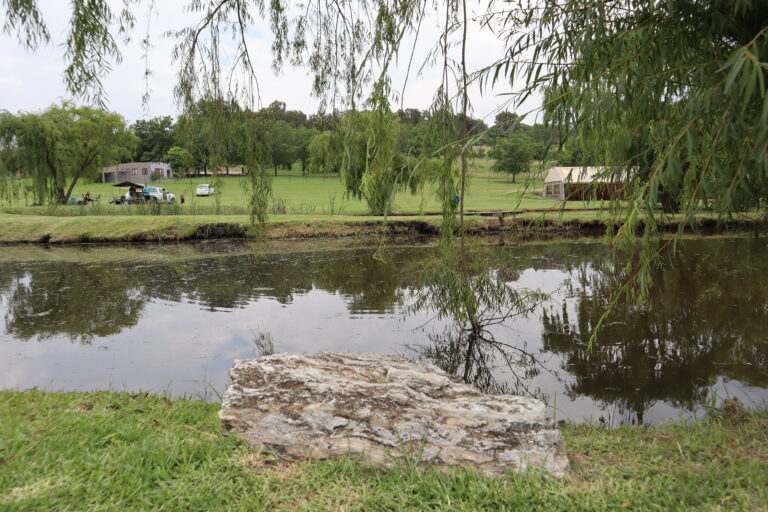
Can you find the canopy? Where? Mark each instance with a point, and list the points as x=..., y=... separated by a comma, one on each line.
x=128, y=184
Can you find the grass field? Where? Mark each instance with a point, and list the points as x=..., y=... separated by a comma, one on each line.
x=117, y=451
x=324, y=195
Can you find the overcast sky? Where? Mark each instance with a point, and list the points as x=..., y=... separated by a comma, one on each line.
x=32, y=81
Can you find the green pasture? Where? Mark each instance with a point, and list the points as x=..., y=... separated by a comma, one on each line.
x=295, y=194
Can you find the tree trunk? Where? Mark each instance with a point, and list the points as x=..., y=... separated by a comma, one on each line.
x=669, y=202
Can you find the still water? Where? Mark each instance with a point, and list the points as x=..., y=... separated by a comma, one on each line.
x=173, y=318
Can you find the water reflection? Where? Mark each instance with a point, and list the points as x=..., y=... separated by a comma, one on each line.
x=706, y=319
x=81, y=302
x=492, y=366
x=178, y=324
x=78, y=301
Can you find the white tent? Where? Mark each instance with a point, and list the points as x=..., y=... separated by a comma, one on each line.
x=568, y=182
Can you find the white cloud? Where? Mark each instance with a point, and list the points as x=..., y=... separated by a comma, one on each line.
x=34, y=81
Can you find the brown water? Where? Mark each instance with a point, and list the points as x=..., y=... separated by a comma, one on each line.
x=154, y=320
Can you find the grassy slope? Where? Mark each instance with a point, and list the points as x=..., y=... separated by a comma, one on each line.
x=115, y=451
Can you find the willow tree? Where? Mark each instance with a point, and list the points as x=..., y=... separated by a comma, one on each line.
x=668, y=95
x=61, y=145
x=325, y=152
x=369, y=167
x=674, y=92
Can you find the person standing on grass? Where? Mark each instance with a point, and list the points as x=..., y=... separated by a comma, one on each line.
x=145, y=191
x=181, y=198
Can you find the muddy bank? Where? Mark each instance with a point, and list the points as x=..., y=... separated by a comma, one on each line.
x=16, y=229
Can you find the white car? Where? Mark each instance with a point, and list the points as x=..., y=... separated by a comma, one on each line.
x=156, y=194
x=204, y=190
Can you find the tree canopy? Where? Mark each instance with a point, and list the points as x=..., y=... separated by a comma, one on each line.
x=180, y=160
x=513, y=154
x=156, y=137
x=59, y=146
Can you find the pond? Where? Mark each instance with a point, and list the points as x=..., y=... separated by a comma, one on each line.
x=173, y=318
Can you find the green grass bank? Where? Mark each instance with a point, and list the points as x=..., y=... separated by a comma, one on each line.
x=121, y=451
x=16, y=228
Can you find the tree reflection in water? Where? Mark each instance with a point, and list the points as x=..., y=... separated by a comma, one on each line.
x=705, y=318
x=489, y=365
x=86, y=301
x=79, y=301
x=475, y=298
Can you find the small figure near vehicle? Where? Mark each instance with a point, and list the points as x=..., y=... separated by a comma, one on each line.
x=145, y=192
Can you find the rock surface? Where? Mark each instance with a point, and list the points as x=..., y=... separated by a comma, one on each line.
x=381, y=407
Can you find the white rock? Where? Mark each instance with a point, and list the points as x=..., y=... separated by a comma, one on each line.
x=381, y=407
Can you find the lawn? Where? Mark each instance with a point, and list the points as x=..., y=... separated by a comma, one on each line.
x=311, y=195
x=121, y=451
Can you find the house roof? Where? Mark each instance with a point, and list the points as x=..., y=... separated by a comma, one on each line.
x=582, y=175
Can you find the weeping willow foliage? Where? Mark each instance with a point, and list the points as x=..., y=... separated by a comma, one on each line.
x=369, y=166
x=349, y=47
x=56, y=148
x=669, y=95
x=96, y=31
x=673, y=94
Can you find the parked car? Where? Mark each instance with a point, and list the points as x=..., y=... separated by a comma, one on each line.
x=156, y=194
x=204, y=190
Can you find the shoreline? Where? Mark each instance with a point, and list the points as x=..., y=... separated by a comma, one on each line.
x=33, y=229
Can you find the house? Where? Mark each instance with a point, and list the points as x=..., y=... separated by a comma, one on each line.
x=584, y=183
x=135, y=171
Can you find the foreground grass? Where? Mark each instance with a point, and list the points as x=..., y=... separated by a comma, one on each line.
x=117, y=451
